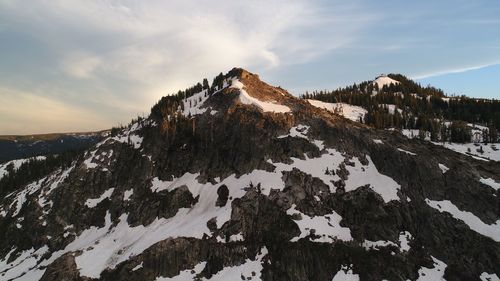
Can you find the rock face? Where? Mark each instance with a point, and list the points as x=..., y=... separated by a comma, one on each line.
x=246, y=182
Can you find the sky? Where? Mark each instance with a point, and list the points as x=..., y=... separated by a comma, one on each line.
x=72, y=65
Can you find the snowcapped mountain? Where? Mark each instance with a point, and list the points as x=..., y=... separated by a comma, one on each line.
x=243, y=181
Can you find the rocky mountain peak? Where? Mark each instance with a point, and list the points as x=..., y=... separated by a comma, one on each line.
x=238, y=88
x=241, y=73
x=241, y=180
x=254, y=92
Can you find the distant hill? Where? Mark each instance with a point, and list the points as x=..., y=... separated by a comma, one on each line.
x=397, y=102
x=26, y=146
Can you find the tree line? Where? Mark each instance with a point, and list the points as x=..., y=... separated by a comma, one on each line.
x=421, y=108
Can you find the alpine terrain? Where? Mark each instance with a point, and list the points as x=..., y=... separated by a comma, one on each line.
x=240, y=180
x=18, y=147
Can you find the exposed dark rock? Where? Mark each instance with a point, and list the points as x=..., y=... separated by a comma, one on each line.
x=198, y=159
x=223, y=193
x=63, y=269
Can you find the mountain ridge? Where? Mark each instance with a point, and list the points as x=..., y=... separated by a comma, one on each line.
x=14, y=147
x=212, y=188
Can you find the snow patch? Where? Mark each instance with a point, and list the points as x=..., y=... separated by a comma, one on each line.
x=473, y=222
x=236, y=237
x=193, y=105
x=137, y=267
x=345, y=274
x=56, y=179
x=127, y=194
x=185, y=275
x=443, y=168
x=490, y=182
x=489, y=277
x=404, y=243
x=414, y=133
x=21, y=196
x=301, y=131
x=20, y=268
x=359, y=175
x=249, y=270
x=490, y=151
x=158, y=185
x=91, y=203
x=407, y=152
x=88, y=162
x=130, y=136
x=351, y=112
x=375, y=245
x=327, y=227
x=383, y=80
x=432, y=274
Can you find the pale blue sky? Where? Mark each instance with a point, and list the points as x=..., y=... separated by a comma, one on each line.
x=87, y=65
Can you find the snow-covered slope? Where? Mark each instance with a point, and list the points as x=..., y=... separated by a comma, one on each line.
x=384, y=80
x=351, y=112
x=478, y=151
x=16, y=164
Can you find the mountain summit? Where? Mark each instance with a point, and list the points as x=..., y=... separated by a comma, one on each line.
x=240, y=180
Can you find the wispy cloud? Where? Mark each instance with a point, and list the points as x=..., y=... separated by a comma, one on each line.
x=452, y=71
x=117, y=57
x=80, y=64
x=137, y=51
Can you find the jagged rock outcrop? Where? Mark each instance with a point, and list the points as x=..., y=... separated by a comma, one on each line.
x=245, y=181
